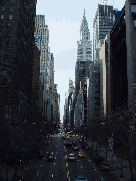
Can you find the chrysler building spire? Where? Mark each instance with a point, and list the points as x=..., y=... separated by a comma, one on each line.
x=84, y=51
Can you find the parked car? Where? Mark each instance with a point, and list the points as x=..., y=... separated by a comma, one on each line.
x=109, y=148
x=99, y=159
x=47, y=142
x=95, y=156
x=80, y=178
x=105, y=166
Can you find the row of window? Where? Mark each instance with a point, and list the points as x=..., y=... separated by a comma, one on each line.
x=2, y=16
x=3, y=8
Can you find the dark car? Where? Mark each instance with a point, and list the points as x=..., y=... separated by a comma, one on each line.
x=95, y=156
x=105, y=166
x=50, y=157
x=75, y=147
x=47, y=142
x=99, y=159
x=80, y=178
x=74, y=142
x=18, y=178
x=80, y=140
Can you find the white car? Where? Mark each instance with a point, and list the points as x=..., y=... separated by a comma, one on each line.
x=72, y=156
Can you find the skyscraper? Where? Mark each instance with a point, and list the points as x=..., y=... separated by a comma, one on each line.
x=84, y=54
x=17, y=23
x=103, y=22
x=42, y=41
x=84, y=51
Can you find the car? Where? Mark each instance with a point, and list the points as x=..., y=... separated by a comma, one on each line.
x=95, y=156
x=50, y=157
x=80, y=140
x=75, y=147
x=67, y=137
x=109, y=148
x=71, y=156
x=47, y=142
x=80, y=178
x=50, y=139
x=74, y=142
x=105, y=166
x=81, y=154
x=99, y=159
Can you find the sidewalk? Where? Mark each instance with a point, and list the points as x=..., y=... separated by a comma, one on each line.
x=116, y=170
x=23, y=171
x=26, y=171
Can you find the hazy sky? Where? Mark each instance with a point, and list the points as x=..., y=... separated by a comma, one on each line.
x=64, y=19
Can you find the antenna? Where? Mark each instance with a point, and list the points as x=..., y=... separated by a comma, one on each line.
x=84, y=8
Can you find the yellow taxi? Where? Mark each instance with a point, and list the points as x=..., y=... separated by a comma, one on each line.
x=81, y=154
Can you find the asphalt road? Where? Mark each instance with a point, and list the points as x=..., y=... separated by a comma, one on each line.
x=56, y=170
x=87, y=167
x=53, y=170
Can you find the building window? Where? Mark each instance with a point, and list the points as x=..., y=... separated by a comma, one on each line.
x=11, y=8
x=97, y=103
x=3, y=8
x=10, y=16
x=1, y=16
x=97, y=98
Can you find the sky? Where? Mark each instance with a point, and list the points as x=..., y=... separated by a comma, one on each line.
x=64, y=18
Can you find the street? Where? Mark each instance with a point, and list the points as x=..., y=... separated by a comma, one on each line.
x=56, y=170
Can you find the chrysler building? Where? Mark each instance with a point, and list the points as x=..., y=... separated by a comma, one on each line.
x=84, y=50
x=84, y=55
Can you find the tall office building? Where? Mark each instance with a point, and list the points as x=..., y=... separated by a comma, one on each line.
x=103, y=22
x=84, y=54
x=17, y=23
x=42, y=41
x=84, y=51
